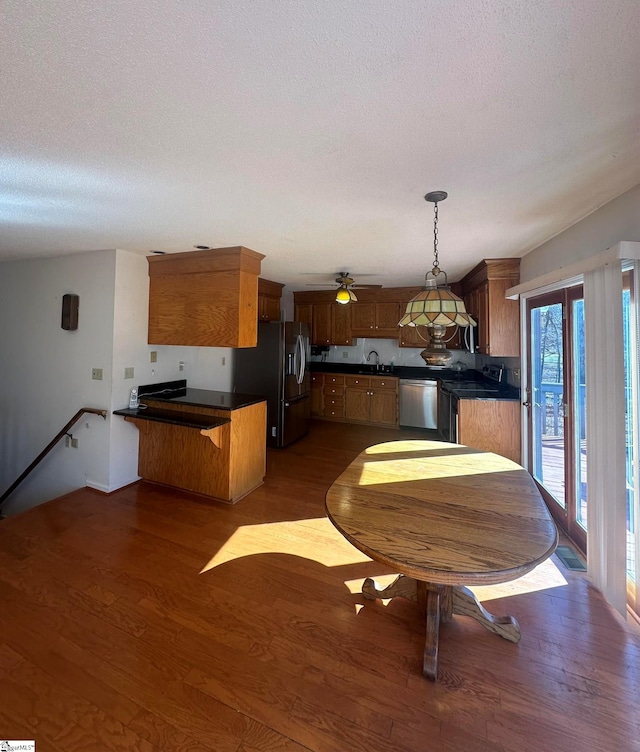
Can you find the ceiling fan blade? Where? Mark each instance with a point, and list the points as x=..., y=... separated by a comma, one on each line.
x=366, y=287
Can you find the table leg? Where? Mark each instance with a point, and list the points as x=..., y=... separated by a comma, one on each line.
x=432, y=635
x=466, y=604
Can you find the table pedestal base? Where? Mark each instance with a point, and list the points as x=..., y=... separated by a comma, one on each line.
x=439, y=603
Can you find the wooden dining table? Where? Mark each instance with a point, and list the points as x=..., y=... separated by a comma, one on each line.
x=444, y=516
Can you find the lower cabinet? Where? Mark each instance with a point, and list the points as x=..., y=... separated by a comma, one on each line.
x=355, y=399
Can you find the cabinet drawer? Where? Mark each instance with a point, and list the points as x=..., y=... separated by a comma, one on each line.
x=333, y=401
x=333, y=378
x=329, y=390
x=357, y=380
x=336, y=411
x=383, y=382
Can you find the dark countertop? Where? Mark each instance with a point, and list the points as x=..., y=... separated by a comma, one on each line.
x=176, y=392
x=208, y=398
x=449, y=378
x=188, y=420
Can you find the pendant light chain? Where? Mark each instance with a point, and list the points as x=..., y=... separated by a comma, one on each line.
x=436, y=267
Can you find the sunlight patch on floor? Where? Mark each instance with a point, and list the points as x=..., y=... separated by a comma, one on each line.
x=355, y=587
x=314, y=539
x=544, y=576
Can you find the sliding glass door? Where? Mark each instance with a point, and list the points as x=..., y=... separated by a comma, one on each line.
x=631, y=333
x=556, y=404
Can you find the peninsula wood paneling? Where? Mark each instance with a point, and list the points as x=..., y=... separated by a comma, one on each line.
x=226, y=462
x=491, y=425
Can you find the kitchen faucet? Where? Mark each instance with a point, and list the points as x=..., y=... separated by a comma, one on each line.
x=372, y=352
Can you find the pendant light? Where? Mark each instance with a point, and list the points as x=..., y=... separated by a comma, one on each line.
x=436, y=307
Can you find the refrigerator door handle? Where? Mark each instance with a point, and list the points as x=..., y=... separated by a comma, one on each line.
x=302, y=359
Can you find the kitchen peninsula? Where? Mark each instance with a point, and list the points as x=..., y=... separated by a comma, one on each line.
x=207, y=442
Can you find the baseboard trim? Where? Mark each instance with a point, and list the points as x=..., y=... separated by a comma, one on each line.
x=107, y=489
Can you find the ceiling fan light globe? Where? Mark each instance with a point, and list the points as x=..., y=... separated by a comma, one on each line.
x=343, y=296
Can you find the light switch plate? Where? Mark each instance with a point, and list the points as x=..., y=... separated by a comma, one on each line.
x=96, y=374
x=153, y=356
x=128, y=373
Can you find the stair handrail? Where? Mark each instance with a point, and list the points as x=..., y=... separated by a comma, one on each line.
x=49, y=447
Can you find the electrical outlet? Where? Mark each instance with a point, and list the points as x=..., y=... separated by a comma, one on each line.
x=75, y=443
x=128, y=373
x=345, y=354
x=224, y=360
x=153, y=356
x=516, y=374
x=181, y=365
x=96, y=374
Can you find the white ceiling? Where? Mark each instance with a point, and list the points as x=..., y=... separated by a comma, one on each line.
x=309, y=130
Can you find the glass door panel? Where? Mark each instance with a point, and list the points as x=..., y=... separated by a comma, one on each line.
x=547, y=399
x=557, y=409
x=579, y=412
x=630, y=322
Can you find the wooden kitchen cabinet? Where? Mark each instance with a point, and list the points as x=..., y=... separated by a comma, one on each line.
x=491, y=425
x=331, y=324
x=355, y=398
x=333, y=396
x=413, y=336
x=304, y=314
x=269, y=297
x=204, y=298
x=484, y=288
x=371, y=399
x=379, y=320
x=317, y=385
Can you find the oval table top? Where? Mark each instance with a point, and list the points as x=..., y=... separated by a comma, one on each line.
x=443, y=513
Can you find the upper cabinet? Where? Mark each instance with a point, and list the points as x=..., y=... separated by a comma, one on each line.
x=204, y=298
x=484, y=289
x=329, y=322
x=379, y=320
x=269, y=296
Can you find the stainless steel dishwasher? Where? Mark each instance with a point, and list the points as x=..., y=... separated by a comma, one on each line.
x=418, y=403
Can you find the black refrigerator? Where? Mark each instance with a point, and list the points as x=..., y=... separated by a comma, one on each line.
x=277, y=369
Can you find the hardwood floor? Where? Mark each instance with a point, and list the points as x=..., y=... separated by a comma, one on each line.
x=153, y=620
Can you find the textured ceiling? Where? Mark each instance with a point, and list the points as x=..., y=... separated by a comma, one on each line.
x=310, y=130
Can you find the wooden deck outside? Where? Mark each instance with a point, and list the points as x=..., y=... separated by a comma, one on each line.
x=154, y=620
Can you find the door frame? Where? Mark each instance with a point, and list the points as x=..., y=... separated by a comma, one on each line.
x=565, y=517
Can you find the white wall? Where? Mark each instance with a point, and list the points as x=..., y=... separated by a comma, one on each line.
x=618, y=220
x=46, y=371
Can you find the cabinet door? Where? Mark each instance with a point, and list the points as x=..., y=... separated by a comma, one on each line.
x=340, y=324
x=362, y=319
x=384, y=407
x=304, y=314
x=321, y=324
x=484, y=343
x=356, y=404
x=268, y=308
x=387, y=316
x=413, y=336
x=317, y=383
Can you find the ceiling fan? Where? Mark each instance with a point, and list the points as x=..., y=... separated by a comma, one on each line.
x=346, y=284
